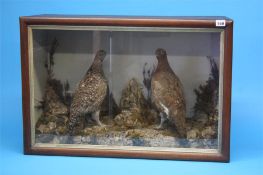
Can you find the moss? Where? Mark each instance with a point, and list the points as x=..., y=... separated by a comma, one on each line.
x=134, y=133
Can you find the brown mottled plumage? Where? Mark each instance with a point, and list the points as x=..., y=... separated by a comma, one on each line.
x=167, y=94
x=89, y=94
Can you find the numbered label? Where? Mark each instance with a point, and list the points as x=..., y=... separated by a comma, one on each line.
x=220, y=23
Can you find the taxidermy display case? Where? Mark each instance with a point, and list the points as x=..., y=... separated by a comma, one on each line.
x=141, y=87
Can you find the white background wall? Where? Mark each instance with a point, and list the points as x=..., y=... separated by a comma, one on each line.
x=130, y=50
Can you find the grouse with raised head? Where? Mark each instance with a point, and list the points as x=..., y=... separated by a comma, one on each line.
x=89, y=93
x=167, y=94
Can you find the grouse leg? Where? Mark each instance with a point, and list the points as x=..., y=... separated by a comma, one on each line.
x=163, y=119
x=96, y=117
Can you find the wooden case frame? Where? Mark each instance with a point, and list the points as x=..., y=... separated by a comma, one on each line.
x=178, y=22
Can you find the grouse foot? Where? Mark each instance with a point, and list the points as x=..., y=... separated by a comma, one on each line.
x=163, y=119
x=96, y=117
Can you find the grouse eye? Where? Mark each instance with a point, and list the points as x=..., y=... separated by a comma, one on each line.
x=162, y=52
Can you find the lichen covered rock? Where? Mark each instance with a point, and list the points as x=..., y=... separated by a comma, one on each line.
x=130, y=119
x=208, y=133
x=193, y=134
x=132, y=96
x=135, y=111
x=53, y=105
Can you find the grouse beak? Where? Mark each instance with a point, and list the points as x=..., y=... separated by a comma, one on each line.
x=101, y=54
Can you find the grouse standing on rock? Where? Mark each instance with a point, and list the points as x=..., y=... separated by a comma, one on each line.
x=89, y=94
x=167, y=94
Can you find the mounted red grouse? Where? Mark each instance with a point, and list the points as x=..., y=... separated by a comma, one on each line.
x=89, y=94
x=167, y=94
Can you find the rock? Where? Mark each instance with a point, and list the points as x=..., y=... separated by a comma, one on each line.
x=111, y=138
x=208, y=133
x=193, y=134
x=135, y=112
x=53, y=105
x=130, y=119
x=44, y=138
x=47, y=130
x=51, y=125
x=59, y=140
x=76, y=139
x=55, y=112
x=41, y=128
x=140, y=142
x=87, y=131
x=193, y=143
x=133, y=137
x=210, y=143
x=61, y=130
x=132, y=96
x=120, y=118
x=133, y=118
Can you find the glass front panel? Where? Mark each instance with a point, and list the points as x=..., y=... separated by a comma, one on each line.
x=128, y=88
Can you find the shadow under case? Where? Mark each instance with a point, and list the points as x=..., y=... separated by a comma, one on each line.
x=127, y=87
